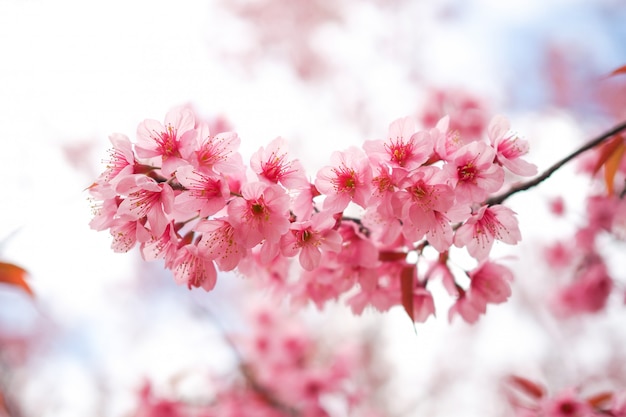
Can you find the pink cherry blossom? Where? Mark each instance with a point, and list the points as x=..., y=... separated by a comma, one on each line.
x=566, y=404
x=490, y=283
x=192, y=268
x=272, y=164
x=310, y=238
x=127, y=233
x=347, y=179
x=488, y=224
x=146, y=198
x=475, y=173
x=448, y=141
x=205, y=194
x=218, y=243
x=217, y=153
x=122, y=159
x=262, y=212
x=422, y=205
x=171, y=141
x=404, y=147
x=588, y=293
x=509, y=148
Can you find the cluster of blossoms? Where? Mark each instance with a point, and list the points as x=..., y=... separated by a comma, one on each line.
x=530, y=399
x=184, y=195
x=581, y=256
x=284, y=371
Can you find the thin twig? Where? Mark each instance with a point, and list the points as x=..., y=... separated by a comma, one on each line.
x=546, y=174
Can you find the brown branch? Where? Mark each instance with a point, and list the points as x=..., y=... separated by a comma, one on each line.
x=547, y=173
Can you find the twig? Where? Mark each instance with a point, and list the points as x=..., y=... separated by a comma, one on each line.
x=547, y=173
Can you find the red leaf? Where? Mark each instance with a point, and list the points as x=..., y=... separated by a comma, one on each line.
x=527, y=386
x=599, y=400
x=611, y=153
x=14, y=275
x=620, y=70
x=407, y=285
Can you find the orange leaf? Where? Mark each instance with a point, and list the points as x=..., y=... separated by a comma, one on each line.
x=600, y=400
x=14, y=275
x=407, y=284
x=620, y=70
x=527, y=386
x=606, y=149
x=611, y=166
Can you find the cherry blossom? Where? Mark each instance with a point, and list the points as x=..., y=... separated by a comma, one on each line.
x=509, y=148
x=347, y=179
x=480, y=231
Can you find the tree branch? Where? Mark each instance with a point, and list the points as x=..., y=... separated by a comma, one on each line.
x=547, y=173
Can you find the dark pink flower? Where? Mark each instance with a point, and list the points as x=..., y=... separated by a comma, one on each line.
x=475, y=173
x=588, y=293
x=262, y=212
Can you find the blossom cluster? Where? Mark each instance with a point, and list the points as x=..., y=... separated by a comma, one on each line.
x=183, y=193
x=284, y=371
x=531, y=399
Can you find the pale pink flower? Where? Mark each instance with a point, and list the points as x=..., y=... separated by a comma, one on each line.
x=509, y=148
x=447, y=141
x=262, y=212
x=122, y=159
x=172, y=141
x=476, y=175
x=205, y=194
x=310, y=238
x=219, y=244
x=218, y=153
x=468, y=112
x=193, y=269
x=422, y=206
x=404, y=147
x=488, y=224
x=162, y=247
x=347, y=179
x=127, y=233
x=272, y=164
x=146, y=198
x=466, y=308
x=104, y=207
x=423, y=304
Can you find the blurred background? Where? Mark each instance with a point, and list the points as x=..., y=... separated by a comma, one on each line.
x=324, y=75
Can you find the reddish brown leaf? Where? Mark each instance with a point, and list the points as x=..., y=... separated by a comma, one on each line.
x=14, y=275
x=611, y=153
x=391, y=256
x=527, y=386
x=620, y=70
x=611, y=166
x=600, y=400
x=407, y=285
